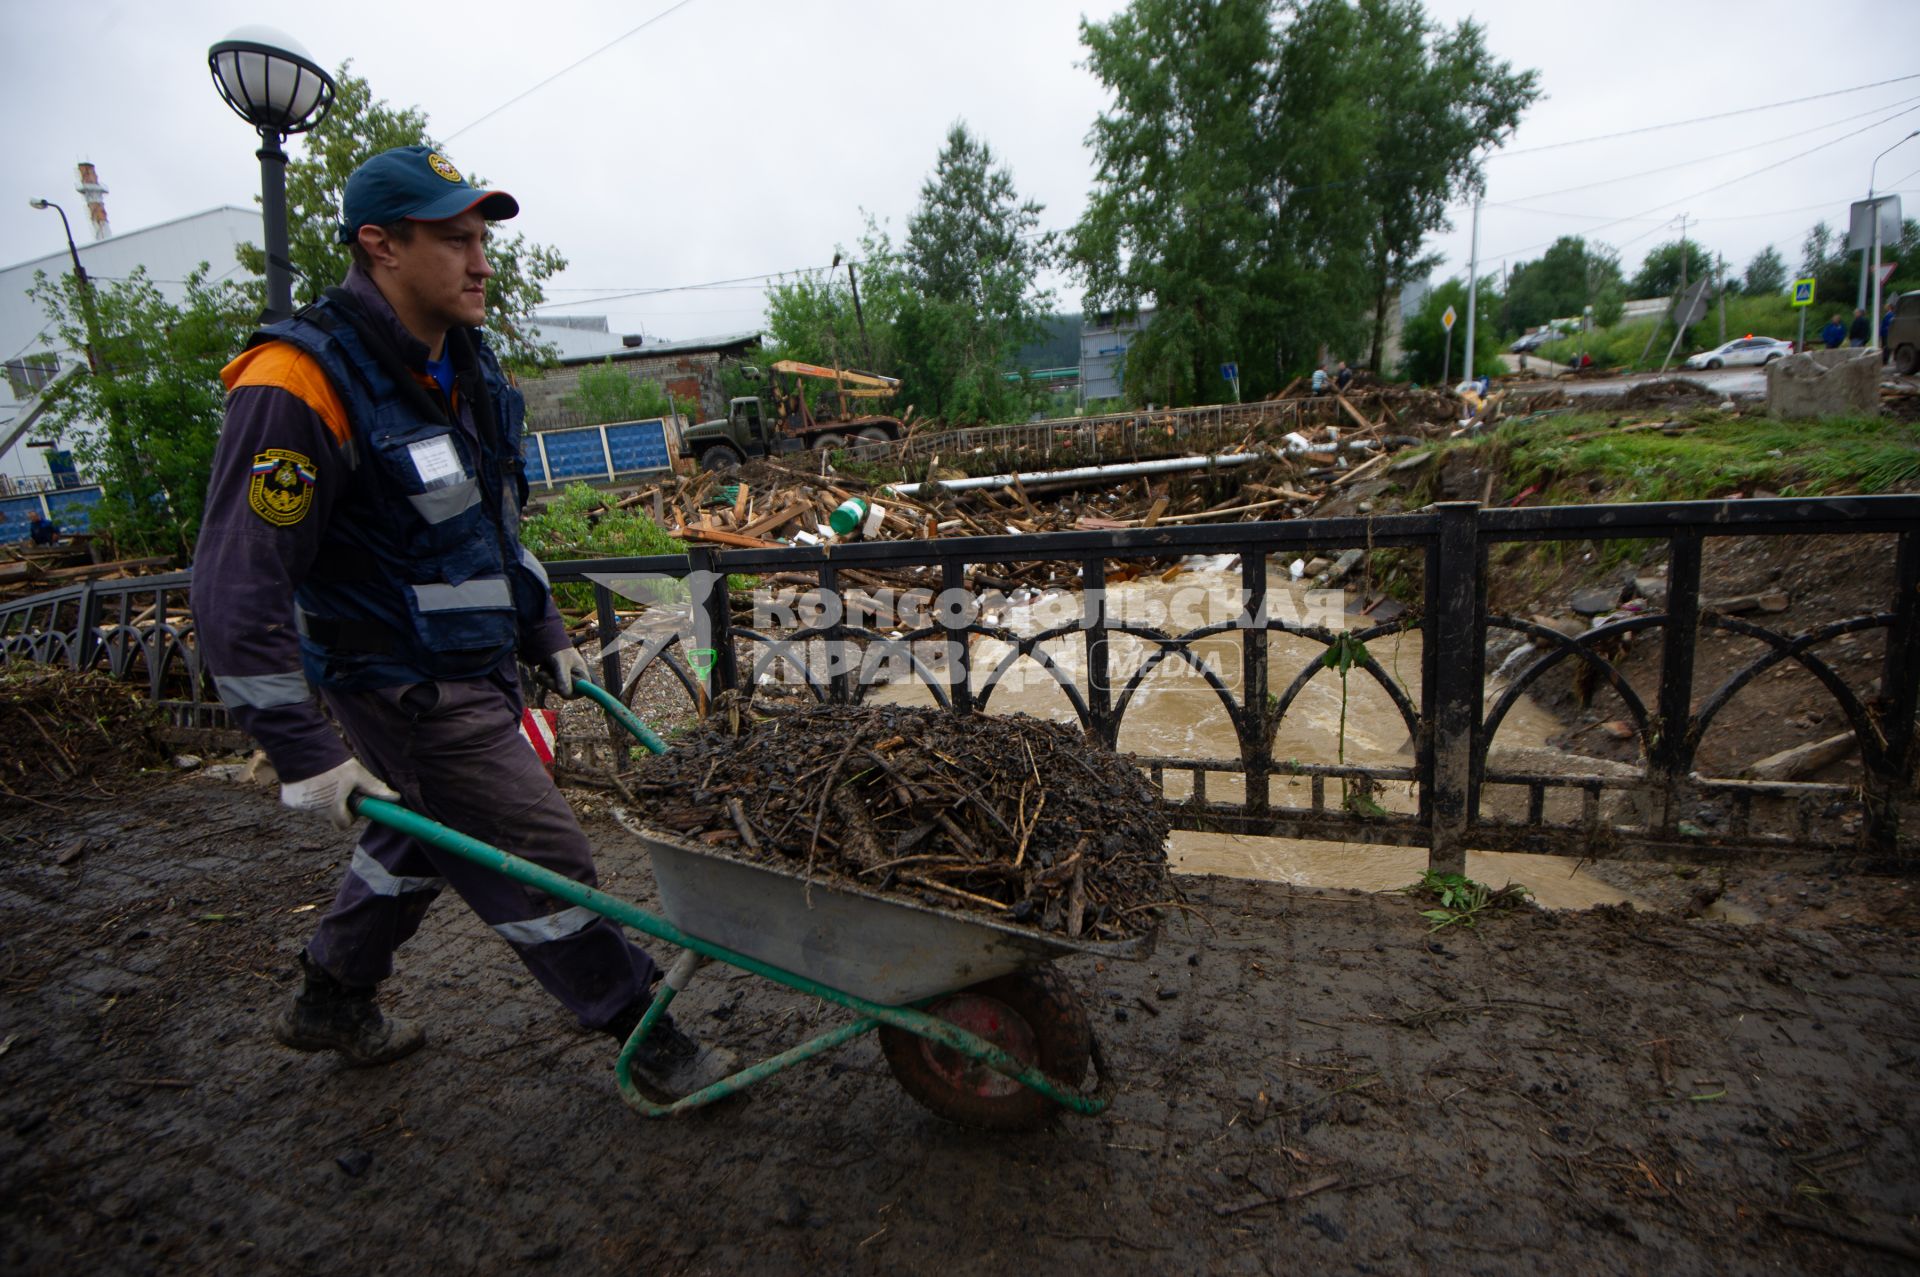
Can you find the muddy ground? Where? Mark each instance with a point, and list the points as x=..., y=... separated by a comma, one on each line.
x=1312, y=1083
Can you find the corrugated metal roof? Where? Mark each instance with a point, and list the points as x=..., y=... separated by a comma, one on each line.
x=668, y=348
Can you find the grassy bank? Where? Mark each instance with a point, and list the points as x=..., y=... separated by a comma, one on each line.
x=1587, y=457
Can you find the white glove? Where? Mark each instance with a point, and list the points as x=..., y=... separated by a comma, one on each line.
x=328, y=792
x=565, y=667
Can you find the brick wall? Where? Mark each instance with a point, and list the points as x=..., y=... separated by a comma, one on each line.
x=693, y=374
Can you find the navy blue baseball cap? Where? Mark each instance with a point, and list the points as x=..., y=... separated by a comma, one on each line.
x=414, y=183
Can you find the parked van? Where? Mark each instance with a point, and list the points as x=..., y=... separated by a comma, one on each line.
x=1903, y=335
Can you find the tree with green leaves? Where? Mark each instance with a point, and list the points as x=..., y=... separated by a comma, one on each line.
x=1439, y=100
x=1423, y=337
x=1660, y=273
x=1189, y=164
x=1766, y=273
x=1266, y=187
x=144, y=421
x=1562, y=283
x=359, y=127
x=607, y=394
x=971, y=298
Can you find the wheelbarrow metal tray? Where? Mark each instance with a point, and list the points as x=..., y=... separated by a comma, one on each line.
x=886, y=949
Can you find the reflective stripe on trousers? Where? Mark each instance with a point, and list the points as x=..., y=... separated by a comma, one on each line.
x=555, y=926
x=381, y=882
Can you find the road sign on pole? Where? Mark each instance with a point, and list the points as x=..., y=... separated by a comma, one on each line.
x=1803, y=292
x=1446, y=322
x=1886, y=271
x=1231, y=372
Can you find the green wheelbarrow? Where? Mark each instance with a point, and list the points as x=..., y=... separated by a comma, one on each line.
x=972, y=1021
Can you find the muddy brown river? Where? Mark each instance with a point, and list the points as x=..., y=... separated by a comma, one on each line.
x=1176, y=713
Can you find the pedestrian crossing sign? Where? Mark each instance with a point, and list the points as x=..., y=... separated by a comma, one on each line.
x=1803, y=292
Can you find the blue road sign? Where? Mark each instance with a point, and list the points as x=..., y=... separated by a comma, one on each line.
x=1230, y=372
x=1803, y=292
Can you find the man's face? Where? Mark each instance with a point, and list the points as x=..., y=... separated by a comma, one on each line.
x=440, y=275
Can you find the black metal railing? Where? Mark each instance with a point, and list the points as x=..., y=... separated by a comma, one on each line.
x=702, y=642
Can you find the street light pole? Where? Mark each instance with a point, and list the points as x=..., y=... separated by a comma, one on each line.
x=81, y=281
x=1873, y=316
x=1473, y=291
x=273, y=84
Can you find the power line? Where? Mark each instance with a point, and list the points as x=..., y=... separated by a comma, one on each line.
x=1708, y=159
x=1700, y=119
x=1720, y=186
x=670, y=9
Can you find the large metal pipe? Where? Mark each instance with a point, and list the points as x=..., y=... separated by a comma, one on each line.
x=1083, y=474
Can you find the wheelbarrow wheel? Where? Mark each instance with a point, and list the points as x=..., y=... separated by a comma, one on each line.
x=1034, y=1016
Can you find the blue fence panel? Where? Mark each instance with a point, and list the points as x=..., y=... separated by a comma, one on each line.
x=576, y=454
x=73, y=507
x=14, y=523
x=530, y=451
x=638, y=445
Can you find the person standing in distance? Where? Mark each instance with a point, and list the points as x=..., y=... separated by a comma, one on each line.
x=361, y=537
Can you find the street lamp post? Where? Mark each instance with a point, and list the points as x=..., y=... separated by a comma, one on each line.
x=79, y=278
x=1873, y=316
x=273, y=84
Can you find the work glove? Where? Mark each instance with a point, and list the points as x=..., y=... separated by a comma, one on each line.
x=564, y=668
x=329, y=791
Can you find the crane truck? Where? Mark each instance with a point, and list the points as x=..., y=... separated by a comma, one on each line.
x=786, y=423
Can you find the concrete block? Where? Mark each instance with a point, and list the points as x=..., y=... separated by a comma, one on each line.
x=1824, y=383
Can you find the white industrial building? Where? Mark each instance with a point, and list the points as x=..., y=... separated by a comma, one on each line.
x=169, y=251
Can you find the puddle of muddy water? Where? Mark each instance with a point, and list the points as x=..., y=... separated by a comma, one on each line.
x=1175, y=712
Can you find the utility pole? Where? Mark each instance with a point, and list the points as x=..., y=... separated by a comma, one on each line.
x=1721, y=262
x=1473, y=288
x=1682, y=317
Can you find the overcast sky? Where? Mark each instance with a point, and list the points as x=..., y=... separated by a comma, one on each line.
x=736, y=138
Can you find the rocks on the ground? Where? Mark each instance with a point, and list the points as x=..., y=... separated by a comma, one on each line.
x=187, y=762
x=354, y=1162
x=1596, y=601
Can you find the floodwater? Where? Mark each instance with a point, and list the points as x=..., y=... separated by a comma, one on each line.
x=1176, y=713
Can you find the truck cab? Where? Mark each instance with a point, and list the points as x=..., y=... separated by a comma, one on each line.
x=744, y=432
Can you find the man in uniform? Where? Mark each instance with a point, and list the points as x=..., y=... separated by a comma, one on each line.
x=361, y=537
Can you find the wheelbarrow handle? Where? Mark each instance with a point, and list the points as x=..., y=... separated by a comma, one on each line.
x=621, y=714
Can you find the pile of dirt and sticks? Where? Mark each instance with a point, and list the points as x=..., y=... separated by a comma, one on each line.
x=1670, y=392
x=1004, y=815
x=62, y=732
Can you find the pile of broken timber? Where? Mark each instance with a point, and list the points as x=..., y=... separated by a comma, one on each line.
x=29, y=569
x=768, y=503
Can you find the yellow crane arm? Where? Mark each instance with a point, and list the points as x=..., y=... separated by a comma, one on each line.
x=846, y=376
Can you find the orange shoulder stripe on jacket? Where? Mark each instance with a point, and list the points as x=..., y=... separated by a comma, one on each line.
x=287, y=367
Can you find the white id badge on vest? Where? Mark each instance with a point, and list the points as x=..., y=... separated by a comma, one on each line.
x=435, y=461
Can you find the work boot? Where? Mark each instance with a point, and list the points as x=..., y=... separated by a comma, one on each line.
x=669, y=1064
x=327, y=1015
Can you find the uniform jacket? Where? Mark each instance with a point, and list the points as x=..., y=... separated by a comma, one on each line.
x=361, y=532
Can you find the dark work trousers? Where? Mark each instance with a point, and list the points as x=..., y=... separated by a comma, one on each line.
x=454, y=751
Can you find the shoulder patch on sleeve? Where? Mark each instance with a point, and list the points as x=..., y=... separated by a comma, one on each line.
x=286, y=367
x=280, y=486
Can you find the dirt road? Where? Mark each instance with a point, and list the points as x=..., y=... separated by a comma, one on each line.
x=1313, y=1083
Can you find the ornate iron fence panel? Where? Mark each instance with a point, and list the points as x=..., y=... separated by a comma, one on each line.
x=672, y=618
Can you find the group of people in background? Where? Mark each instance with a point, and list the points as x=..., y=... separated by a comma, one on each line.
x=1337, y=381
x=1837, y=333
